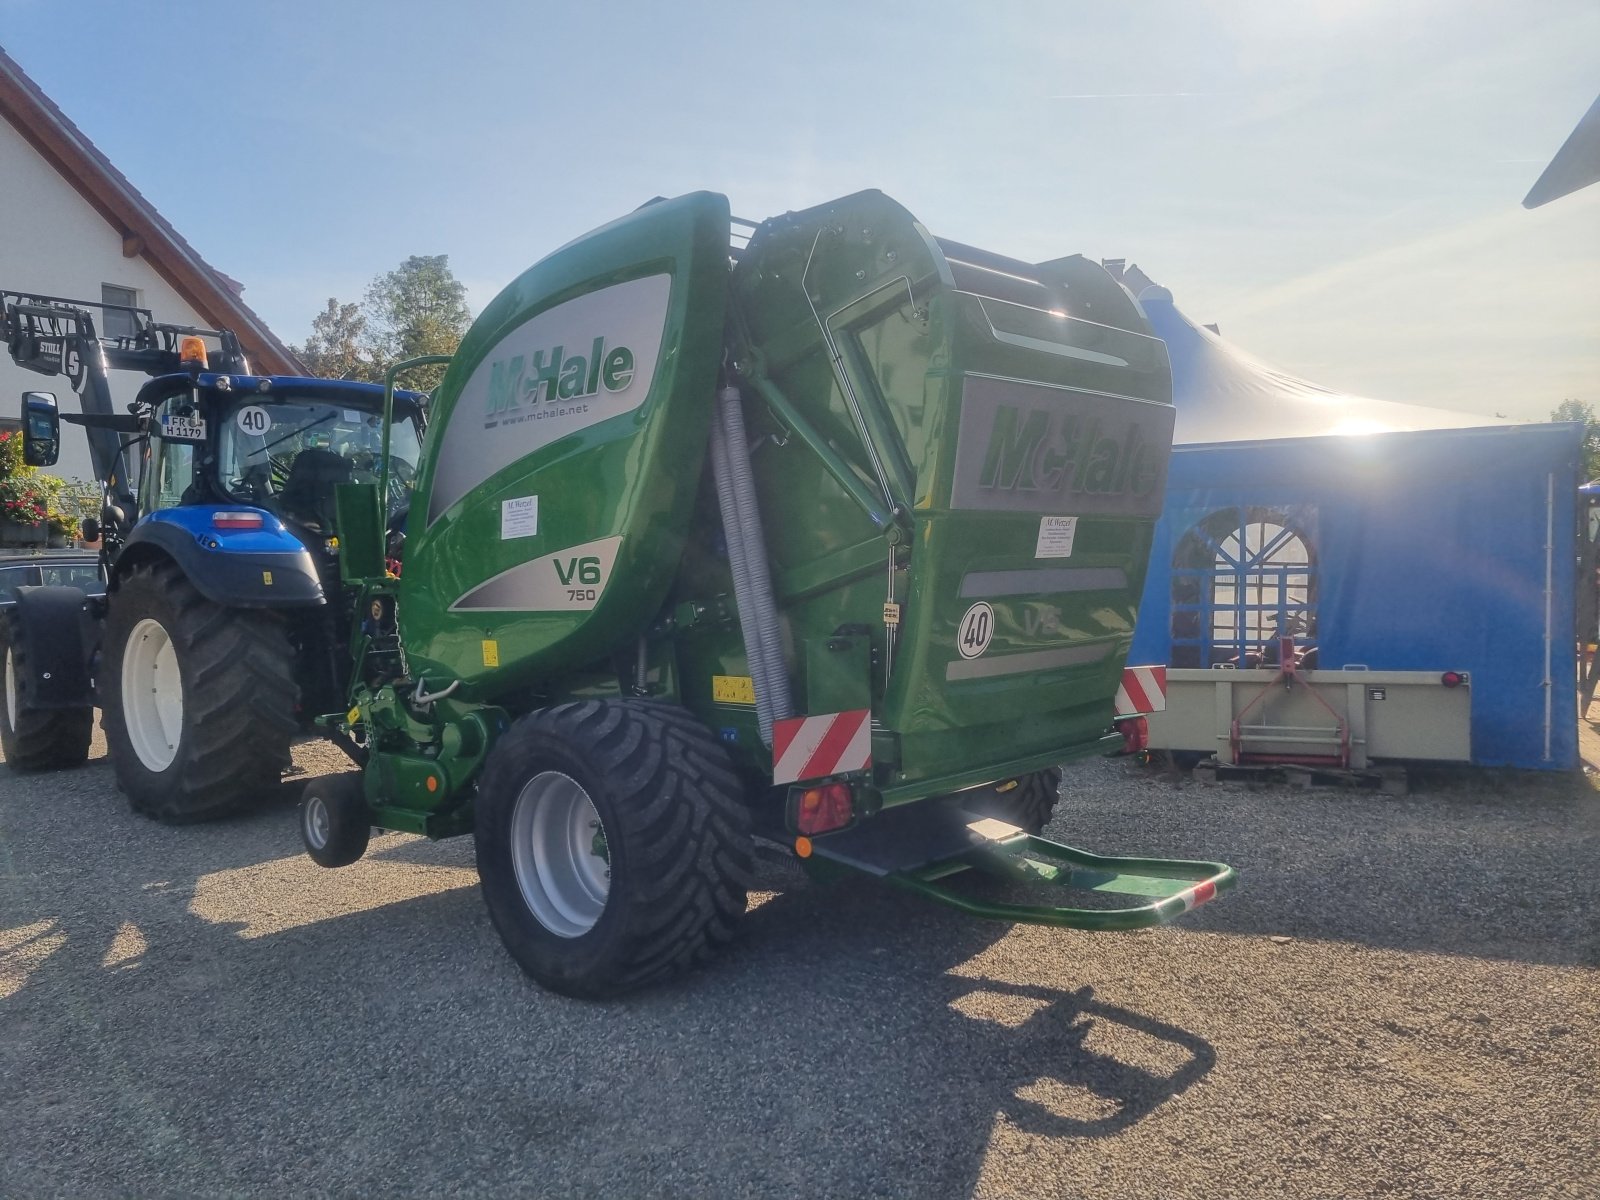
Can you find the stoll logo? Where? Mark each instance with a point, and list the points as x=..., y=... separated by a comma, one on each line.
x=555, y=376
x=1066, y=453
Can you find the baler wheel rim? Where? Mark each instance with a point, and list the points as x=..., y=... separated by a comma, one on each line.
x=564, y=881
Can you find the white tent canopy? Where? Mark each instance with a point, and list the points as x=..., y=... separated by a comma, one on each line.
x=1223, y=394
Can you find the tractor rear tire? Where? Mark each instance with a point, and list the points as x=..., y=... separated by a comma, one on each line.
x=198, y=699
x=1026, y=802
x=41, y=739
x=613, y=845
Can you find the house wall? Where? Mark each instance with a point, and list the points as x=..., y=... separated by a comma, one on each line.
x=53, y=241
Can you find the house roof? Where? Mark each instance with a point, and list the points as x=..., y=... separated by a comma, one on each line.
x=145, y=232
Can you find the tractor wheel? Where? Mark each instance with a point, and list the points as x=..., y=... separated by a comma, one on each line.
x=613, y=844
x=334, y=822
x=45, y=738
x=1026, y=801
x=198, y=699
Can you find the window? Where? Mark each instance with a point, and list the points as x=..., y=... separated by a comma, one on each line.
x=114, y=323
x=1241, y=579
x=168, y=465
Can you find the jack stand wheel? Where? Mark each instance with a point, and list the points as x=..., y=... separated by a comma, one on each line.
x=335, y=823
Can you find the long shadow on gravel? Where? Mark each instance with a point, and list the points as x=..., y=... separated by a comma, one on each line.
x=1486, y=864
x=845, y=1046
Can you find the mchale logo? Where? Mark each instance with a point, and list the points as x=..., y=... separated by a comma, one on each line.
x=553, y=376
x=1061, y=452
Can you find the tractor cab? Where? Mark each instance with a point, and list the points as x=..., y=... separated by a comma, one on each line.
x=277, y=443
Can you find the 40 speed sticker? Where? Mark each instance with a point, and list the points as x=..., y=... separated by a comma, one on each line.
x=977, y=627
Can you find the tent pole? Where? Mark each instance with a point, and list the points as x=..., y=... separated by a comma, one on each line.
x=1549, y=602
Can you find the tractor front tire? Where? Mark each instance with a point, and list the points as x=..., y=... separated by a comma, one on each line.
x=1026, y=801
x=40, y=739
x=198, y=699
x=613, y=845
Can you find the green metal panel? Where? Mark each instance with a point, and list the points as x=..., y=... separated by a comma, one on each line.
x=976, y=412
x=564, y=454
x=360, y=522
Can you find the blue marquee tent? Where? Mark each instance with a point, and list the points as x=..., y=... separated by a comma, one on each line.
x=1373, y=531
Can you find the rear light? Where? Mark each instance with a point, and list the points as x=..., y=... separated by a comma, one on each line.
x=236, y=520
x=1135, y=733
x=822, y=807
x=1453, y=678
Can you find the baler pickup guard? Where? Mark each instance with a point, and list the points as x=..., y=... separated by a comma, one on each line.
x=920, y=850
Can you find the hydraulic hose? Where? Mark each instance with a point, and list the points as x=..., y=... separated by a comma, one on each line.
x=747, y=556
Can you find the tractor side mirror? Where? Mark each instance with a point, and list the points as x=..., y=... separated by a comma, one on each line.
x=41, y=429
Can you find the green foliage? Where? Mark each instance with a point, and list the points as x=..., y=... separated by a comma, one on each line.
x=29, y=496
x=1576, y=410
x=334, y=349
x=418, y=308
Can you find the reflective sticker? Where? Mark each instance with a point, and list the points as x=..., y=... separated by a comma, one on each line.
x=519, y=517
x=252, y=418
x=977, y=627
x=733, y=689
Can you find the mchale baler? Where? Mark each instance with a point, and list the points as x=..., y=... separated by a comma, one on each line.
x=833, y=539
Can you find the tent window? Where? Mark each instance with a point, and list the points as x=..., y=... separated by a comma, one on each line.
x=1242, y=578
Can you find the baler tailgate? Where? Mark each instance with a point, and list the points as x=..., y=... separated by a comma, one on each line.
x=958, y=842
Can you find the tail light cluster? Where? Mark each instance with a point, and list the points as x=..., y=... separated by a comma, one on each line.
x=821, y=807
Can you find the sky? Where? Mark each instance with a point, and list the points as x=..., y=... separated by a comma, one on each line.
x=1335, y=183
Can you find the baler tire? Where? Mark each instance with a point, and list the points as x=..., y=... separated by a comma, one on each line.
x=1028, y=805
x=335, y=823
x=44, y=739
x=236, y=691
x=674, y=832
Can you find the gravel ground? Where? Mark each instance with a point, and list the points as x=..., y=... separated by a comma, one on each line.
x=1401, y=999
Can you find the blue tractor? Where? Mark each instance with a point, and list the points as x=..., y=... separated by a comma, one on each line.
x=222, y=629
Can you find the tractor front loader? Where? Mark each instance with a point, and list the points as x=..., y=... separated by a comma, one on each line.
x=224, y=627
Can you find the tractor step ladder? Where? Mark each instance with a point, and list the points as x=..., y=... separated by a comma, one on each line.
x=921, y=846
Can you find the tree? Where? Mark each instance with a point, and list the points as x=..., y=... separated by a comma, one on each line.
x=334, y=349
x=418, y=308
x=1575, y=410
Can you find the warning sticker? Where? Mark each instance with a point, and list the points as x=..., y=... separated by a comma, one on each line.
x=977, y=627
x=491, y=653
x=1056, y=535
x=519, y=517
x=252, y=418
x=733, y=689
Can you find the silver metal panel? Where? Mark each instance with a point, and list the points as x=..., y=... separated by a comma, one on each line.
x=1407, y=715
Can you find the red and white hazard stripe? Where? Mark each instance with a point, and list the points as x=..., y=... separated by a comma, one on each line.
x=812, y=747
x=1143, y=690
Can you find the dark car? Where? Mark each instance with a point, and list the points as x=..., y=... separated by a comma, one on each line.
x=60, y=568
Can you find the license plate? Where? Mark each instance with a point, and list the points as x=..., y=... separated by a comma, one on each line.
x=183, y=429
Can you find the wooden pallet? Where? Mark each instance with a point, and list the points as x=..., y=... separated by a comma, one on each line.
x=1389, y=778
